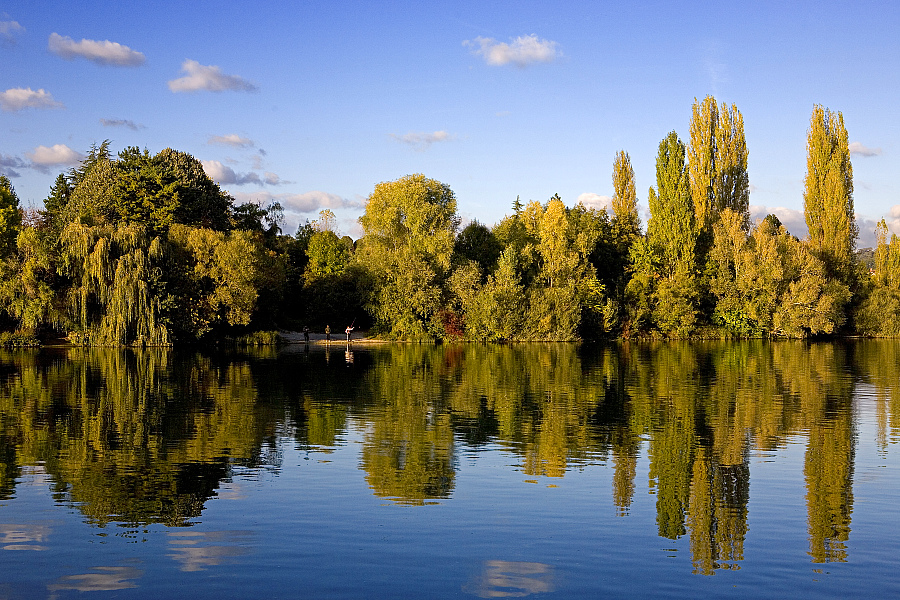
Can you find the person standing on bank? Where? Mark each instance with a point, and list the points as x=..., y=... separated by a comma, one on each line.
x=328, y=333
x=305, y=334
x=349, y=330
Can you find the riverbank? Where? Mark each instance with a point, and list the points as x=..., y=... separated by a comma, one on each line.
x=319, y=339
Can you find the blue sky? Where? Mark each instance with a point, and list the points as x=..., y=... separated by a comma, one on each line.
x=312, y=104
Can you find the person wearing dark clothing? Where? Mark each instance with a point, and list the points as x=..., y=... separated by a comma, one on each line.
x=328, y=333
x=306, y=335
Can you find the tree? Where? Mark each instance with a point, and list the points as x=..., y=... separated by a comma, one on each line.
x=828, y=192
x=702, y=159
x=717, y=163
x=732, y=179
x=326, y=220
x=673, y=222
x=410, y=225
x=476, y=242
x=673, y=229
x=624, y=202
x=137, y=187
x=879, y=312
x=328, y=255
x=10, y=217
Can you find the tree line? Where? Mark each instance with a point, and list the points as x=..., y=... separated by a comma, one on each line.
x=146, y=249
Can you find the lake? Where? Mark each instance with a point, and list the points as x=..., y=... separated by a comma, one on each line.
x=654, y=470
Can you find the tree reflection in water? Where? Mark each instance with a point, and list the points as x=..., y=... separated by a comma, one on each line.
x=144, y=436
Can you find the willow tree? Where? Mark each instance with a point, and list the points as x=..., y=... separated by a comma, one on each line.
x=410, y=225
x=717, y=162
x=115, y=275
x=828, y=192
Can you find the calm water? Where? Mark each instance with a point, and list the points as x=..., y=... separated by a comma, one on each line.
x=547, y=470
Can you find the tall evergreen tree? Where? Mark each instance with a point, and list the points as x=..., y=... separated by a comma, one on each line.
x=828, y=192
x=10, y=216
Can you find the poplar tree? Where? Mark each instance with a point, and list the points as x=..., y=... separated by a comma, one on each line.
x=732, y=180
x=624, y=202
x=673, y=223
x=828, y=192
x=702, y=159
x=673, y=230
x=717, y=162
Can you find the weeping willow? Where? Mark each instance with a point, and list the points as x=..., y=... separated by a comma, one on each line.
x=113, y=269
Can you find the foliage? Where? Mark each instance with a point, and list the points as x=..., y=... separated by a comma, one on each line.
x=879, y=312
x=717, y=162
x=673, y=223
x=828, y=193
x=328, y=255
x=410, y=225
x=624, y=201
x=143, y=249
x=10, y=217
x=476, y=242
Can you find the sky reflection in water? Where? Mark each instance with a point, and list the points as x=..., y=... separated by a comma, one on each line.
x=488, y=471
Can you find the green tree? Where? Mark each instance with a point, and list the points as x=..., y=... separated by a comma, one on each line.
x=879, y=311
x=476, y=242
x=673, y=231
x=624, y=202
x=828, y=193
x=137, y=187
x=10, y=217
x=673, y=222
x=328, y=255
x=410, y=225
x=717, y=163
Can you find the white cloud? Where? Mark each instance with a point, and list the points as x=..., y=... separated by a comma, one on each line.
x=209, y=78
x=232, y=139
x=866, y=229
x=522, y=51
x=225, y=175
x=793, y=220
x=304, y=203
x=893, y=220
x=596, y=201
x=16, y=99
x=121, y=123
x=103, y=53
x=8, y=31
x=42, y=157
x=858, y=149
x=272, y=179
x=420, y=140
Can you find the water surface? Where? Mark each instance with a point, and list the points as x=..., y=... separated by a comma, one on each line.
x=745, y=469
